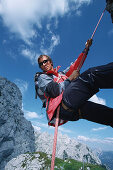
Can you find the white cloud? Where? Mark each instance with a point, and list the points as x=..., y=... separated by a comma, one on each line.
x=101, y=141
x=110, y=32
x=65, y=130
x=54, y=41
x=39, y=124
x=18, y=16
x=84, y=138
x=78, y=12
x=110, y=139
x=45, y=125
x=32, y=115
x=23, y=85
x=4, y=41
x=33, y=22
x=32, y=56
x=37, y=128
x=79, y=3
x=100, y=128
x=25, y=17
x=21, y=15
x=98, y=100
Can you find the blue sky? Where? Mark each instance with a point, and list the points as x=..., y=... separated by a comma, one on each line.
x=60, y=29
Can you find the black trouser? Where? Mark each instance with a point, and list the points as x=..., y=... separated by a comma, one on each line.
x=84, y=87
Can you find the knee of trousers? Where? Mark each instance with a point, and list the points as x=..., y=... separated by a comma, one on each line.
x=88, y=74
x=89, y=78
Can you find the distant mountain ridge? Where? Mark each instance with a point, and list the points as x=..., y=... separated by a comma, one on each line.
x=65, y=146
x=106, y=158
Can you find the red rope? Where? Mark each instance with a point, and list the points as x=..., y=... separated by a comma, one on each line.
x=82, y=61
x=55, y=139
x=58, y=109
x=98, y=24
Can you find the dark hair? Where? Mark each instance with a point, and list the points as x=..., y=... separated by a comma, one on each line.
x=48, y=57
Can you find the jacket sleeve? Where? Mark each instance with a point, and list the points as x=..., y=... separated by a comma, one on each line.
x=80, y=60
x=51, y=89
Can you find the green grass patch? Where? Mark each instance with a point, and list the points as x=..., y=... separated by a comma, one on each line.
x=60, y=164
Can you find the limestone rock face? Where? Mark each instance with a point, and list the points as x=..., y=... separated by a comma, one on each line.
x=66, y=148
x=26, y=162
x=16, y=133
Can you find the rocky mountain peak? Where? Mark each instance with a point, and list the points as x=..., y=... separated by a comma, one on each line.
x=65, y=146
x=16, y=133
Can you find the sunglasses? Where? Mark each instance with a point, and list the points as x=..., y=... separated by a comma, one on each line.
x=43, y=62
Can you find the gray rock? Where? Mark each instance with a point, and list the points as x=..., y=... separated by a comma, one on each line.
x=66, y=147
x=16, y=133
x=26, y=162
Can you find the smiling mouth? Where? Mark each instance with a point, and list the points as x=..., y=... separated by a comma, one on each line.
x=46, y=66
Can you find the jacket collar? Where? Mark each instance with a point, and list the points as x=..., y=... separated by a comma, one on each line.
x=54, y=71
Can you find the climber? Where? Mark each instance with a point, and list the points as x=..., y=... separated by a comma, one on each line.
x=71, y=90
x=109, y=7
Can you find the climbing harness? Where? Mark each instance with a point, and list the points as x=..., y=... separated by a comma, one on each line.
x=58, y=109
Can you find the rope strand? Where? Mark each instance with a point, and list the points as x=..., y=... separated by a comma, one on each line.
x=98, y=24
x=55, y=139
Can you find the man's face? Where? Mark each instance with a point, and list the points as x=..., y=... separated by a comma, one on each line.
x=45, y=65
